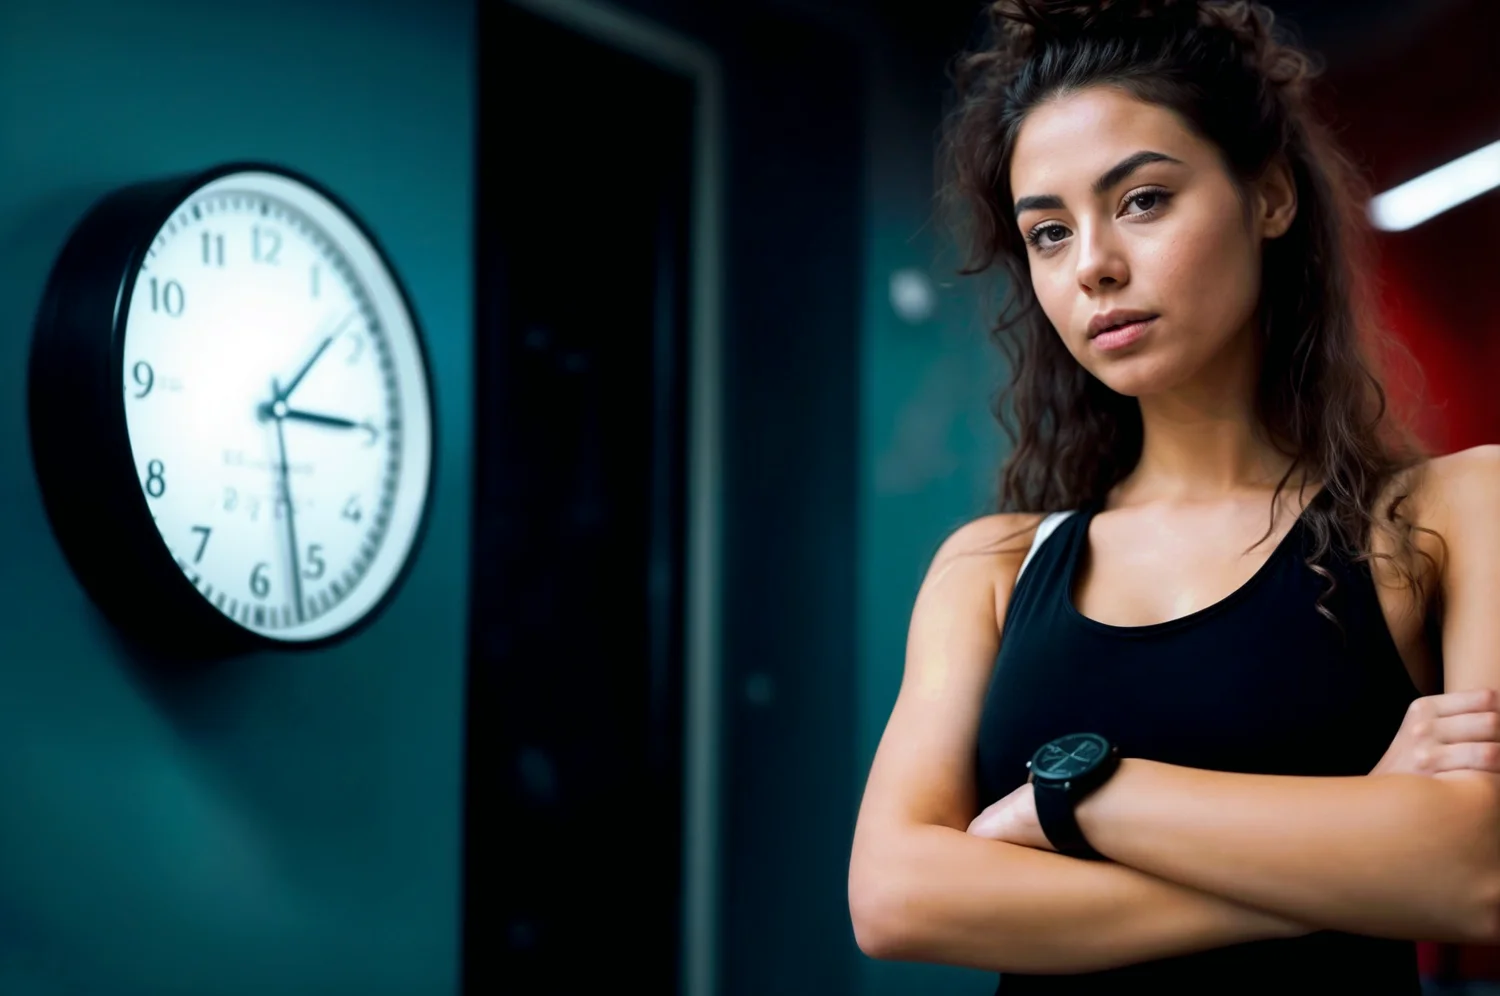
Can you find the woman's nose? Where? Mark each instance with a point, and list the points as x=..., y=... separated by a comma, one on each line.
x=1101, y=264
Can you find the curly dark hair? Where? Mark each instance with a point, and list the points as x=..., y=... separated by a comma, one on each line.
x=1231, y=74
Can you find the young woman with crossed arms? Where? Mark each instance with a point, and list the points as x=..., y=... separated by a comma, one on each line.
x=1233, y=727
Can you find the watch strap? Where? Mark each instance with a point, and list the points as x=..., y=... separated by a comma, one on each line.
x=1054, y=810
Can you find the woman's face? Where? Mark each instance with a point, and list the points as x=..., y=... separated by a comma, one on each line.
x=1130, y=217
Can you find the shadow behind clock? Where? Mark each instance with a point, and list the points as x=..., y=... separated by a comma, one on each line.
x=574, y=809
x=80, y=450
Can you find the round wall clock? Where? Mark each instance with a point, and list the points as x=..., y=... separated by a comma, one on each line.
x=230, y=411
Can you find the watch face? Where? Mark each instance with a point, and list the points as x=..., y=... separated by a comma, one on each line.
x=277, y=406
x=1069, y=756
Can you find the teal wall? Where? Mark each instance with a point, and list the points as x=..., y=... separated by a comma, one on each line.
x=930, y=450
x=280, y=824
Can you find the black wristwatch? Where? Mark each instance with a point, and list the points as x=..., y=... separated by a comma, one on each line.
x=1063, y=772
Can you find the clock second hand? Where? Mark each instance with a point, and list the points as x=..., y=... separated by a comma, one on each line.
x=286, y=496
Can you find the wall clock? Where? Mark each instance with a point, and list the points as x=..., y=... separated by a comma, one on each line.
x=230, y=411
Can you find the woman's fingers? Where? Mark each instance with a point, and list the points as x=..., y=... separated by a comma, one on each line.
x=1468, y=726
x=1473, y=756
x=1457, y=703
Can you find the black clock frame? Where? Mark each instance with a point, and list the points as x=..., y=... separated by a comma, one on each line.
x=80, y=445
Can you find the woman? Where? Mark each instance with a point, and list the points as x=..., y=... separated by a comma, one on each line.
x=1242, y=589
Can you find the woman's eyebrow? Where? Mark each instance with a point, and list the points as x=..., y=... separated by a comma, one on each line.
x=1109, y=178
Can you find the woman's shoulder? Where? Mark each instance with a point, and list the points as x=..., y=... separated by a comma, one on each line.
x=976, y=566
x=1461, y=484
x=1466, y=476
x=1450, y=498
x=991, y=547
x=1443, y=487
x=1000, y=535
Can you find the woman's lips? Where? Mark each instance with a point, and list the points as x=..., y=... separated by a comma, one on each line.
x=1121, y=336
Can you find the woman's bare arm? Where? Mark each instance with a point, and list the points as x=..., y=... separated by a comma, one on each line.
x=1403, y=856
x=921, y=889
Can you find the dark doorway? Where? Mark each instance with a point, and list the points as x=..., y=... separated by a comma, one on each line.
x=574, y=787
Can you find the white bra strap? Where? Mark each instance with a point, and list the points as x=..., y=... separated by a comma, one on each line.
x=1043, y=530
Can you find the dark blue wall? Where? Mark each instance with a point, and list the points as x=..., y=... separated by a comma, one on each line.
x=282, y=824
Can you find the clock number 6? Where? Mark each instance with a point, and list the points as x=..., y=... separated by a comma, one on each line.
x=260, y=585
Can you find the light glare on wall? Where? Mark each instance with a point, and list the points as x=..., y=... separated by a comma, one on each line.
x=912, y=295
x=1434, y=192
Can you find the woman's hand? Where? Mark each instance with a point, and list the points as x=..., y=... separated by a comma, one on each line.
x=1455, y=731
x=1013, y=819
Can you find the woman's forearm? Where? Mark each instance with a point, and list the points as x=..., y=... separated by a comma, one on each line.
x=1390, y=855
x=947, y=897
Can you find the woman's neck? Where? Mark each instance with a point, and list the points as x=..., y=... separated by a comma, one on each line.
x=1201, y=445
x=1201, y=440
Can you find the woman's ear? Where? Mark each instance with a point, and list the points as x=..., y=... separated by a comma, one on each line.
x=1276, y=199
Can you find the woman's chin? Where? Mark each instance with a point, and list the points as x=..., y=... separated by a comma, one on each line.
x=1140, y=377
x=1133, y=383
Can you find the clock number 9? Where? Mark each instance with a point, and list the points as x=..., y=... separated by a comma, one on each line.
x=156, y=481
x=144, y=376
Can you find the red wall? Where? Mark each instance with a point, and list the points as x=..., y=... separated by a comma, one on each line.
x=1412, y=103
x=1405, y=107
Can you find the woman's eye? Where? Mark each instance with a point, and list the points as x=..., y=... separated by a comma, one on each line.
x=1146, y=201
x=1045, y=236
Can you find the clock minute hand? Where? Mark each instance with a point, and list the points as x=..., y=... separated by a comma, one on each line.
x=282, y=394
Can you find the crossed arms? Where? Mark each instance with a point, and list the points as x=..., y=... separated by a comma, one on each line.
x=1398, y=855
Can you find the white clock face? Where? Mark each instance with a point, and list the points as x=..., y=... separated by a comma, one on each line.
x=277, y=406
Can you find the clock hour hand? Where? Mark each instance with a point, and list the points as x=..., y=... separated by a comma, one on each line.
x=280, y=410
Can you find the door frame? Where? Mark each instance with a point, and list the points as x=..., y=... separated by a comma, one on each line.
x=702, y=657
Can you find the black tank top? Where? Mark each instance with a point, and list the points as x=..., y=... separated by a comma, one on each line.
x=1259, y=682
